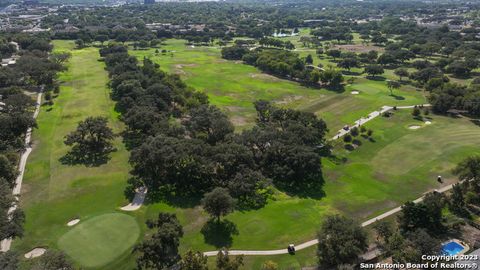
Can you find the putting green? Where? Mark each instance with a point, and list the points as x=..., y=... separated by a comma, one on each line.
x=100, y=240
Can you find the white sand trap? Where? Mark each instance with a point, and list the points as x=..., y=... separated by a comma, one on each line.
x=354, y=92
x=73, y=222
x=36, y=252
x=428, y=122
x=137, y=201
x=414, y=127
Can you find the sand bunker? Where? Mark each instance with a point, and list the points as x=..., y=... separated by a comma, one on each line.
x=36, y=252
x=428, y=122
x=354, y=92
x=414, y=127
x=73, y=222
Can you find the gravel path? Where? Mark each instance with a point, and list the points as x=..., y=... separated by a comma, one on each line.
x=5, y=244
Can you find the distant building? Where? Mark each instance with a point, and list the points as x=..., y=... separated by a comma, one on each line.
x=148, y=2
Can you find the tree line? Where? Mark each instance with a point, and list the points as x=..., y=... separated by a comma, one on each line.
x=35, y=70
x=181, y=143
x=285, y=64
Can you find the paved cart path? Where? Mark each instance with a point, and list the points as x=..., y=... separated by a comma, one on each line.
x=315, y=241
x=6, y=243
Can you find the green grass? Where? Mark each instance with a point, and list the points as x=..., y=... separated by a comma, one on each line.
x=234, y=87
x=400, y=165
x=100, y=240
x=54, y=193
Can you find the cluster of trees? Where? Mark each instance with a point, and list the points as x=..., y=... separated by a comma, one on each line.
x=339, y=33
x=352, y=137
x=285, y=64
x=254, y=19
x=7, y=48
x=340, y=241
x=405, y=247
x=277, y=43
x=51, y=260
x=160, y=249
x=182, y=144
x=447, y=96
x=466, y=195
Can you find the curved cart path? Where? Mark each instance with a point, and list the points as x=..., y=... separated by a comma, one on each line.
x=137, y=200
x=5, y=244
x=315, y=241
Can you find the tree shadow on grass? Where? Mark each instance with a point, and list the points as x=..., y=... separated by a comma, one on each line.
x=336, y=88
x=337, y=160
x=357, y=142
x=307, y=189
x=87, y=158
x=397, y=97
x=219, y=233
x=376, y=78
x=173, y=198
x=475, y=122
x=349, y=147
x=351, y=73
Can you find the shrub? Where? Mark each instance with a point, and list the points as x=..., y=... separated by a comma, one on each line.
x=347, y=138
x=354, y=131
x=416, y=112
x=48, y=96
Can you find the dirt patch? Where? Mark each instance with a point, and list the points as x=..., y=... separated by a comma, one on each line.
x=36, y=252
x=234, y=108
x=180, y=66
x=381, y=177
x=196, y=219
x=263, y=76
x=238, y=120
x=73, y=222
x=414, y=127
x=374, y=209
x=180, y=72
x=358, y=48
x=289, y=99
